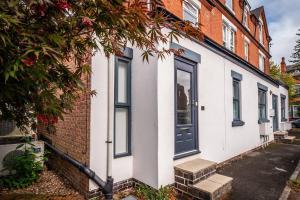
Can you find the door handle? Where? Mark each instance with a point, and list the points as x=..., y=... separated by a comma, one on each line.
x=195, y=103
x=184, y=129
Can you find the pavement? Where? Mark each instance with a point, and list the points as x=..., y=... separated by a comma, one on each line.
x=262, y=174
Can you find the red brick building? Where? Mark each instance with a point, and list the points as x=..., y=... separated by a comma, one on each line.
x=250, y=29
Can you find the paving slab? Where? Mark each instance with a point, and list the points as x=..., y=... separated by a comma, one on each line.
x=256, y=177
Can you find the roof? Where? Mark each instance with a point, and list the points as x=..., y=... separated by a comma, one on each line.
x=257, y=12
x=290, y=68
x=260, y=11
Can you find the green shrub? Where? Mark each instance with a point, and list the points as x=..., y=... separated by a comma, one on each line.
x=295, y=184
x=148, y=193
x=23, y=166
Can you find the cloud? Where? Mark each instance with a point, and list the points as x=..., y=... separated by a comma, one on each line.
x=283, y=22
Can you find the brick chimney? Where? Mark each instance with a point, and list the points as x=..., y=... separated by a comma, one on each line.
x=283, y=65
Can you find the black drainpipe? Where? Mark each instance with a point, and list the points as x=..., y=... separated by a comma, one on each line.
x=107, y=187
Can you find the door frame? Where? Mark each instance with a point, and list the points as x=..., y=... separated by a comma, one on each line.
x=275, y=97
x=195, y=108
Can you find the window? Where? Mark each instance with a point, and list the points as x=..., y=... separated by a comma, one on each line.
x=261, y=62
x=261, y=38
x=297, y=88
x=122, y=121
x=229, y=4
x=262, y=103
x=246, y=50
x=283, y=109
x=190, y=12
x=245, y=17
x=295, y=111
x=228, y=37
x=236, y=100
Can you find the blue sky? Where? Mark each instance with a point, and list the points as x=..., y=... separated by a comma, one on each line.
x=283, y=18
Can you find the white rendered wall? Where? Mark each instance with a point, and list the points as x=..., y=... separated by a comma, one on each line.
x=122, y=167
x=218, y=140
x=153, y=115
x=144, y=119
x=142, y=164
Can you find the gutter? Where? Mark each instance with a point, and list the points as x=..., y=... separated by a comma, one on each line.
x=106, y=187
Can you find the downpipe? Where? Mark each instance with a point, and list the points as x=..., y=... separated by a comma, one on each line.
x=108, y=136
x=107, y=187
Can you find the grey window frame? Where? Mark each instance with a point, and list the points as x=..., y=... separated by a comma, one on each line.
x=127, y=57
x=264, y=90
x=237, y=78
x=283, y=107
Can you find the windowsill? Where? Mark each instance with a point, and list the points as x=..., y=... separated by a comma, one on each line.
x=236, y=123
x=284, y=120
x=122, y=155
x=261, y=121
x=183, y=155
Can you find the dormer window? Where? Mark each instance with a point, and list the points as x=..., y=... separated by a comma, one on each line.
x=260, y=26
x=190, y=12
x=245, y=16
x=229, y=4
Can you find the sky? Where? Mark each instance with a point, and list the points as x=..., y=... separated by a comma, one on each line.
x=283, y=17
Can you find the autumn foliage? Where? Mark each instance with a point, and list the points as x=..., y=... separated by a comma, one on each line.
x=39, y=37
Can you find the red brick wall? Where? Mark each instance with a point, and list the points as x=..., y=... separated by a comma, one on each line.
x=72, y=137
x=211, y=21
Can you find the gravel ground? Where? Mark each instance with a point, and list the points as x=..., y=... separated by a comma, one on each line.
x=49, y=186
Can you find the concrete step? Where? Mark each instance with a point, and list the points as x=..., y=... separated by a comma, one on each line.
x=195, y=170
x=280, y=135
x=289, y=139
x=214, y=187
x=192, y=172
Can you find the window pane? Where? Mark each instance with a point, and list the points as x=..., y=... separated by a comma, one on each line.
x=184, y=115
x=189, y=17
x=224, y=35
x=236, y=115
x=191, y=8
x=122, y=82
x=231, y=40
x=229, y=3
x=246, y=50
x=121, y=130
x=236, y=92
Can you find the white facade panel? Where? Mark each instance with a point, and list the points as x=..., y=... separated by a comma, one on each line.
x=153, y=115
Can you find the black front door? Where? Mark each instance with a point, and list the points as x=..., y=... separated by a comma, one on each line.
x=185, y=107
x=275, y=108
